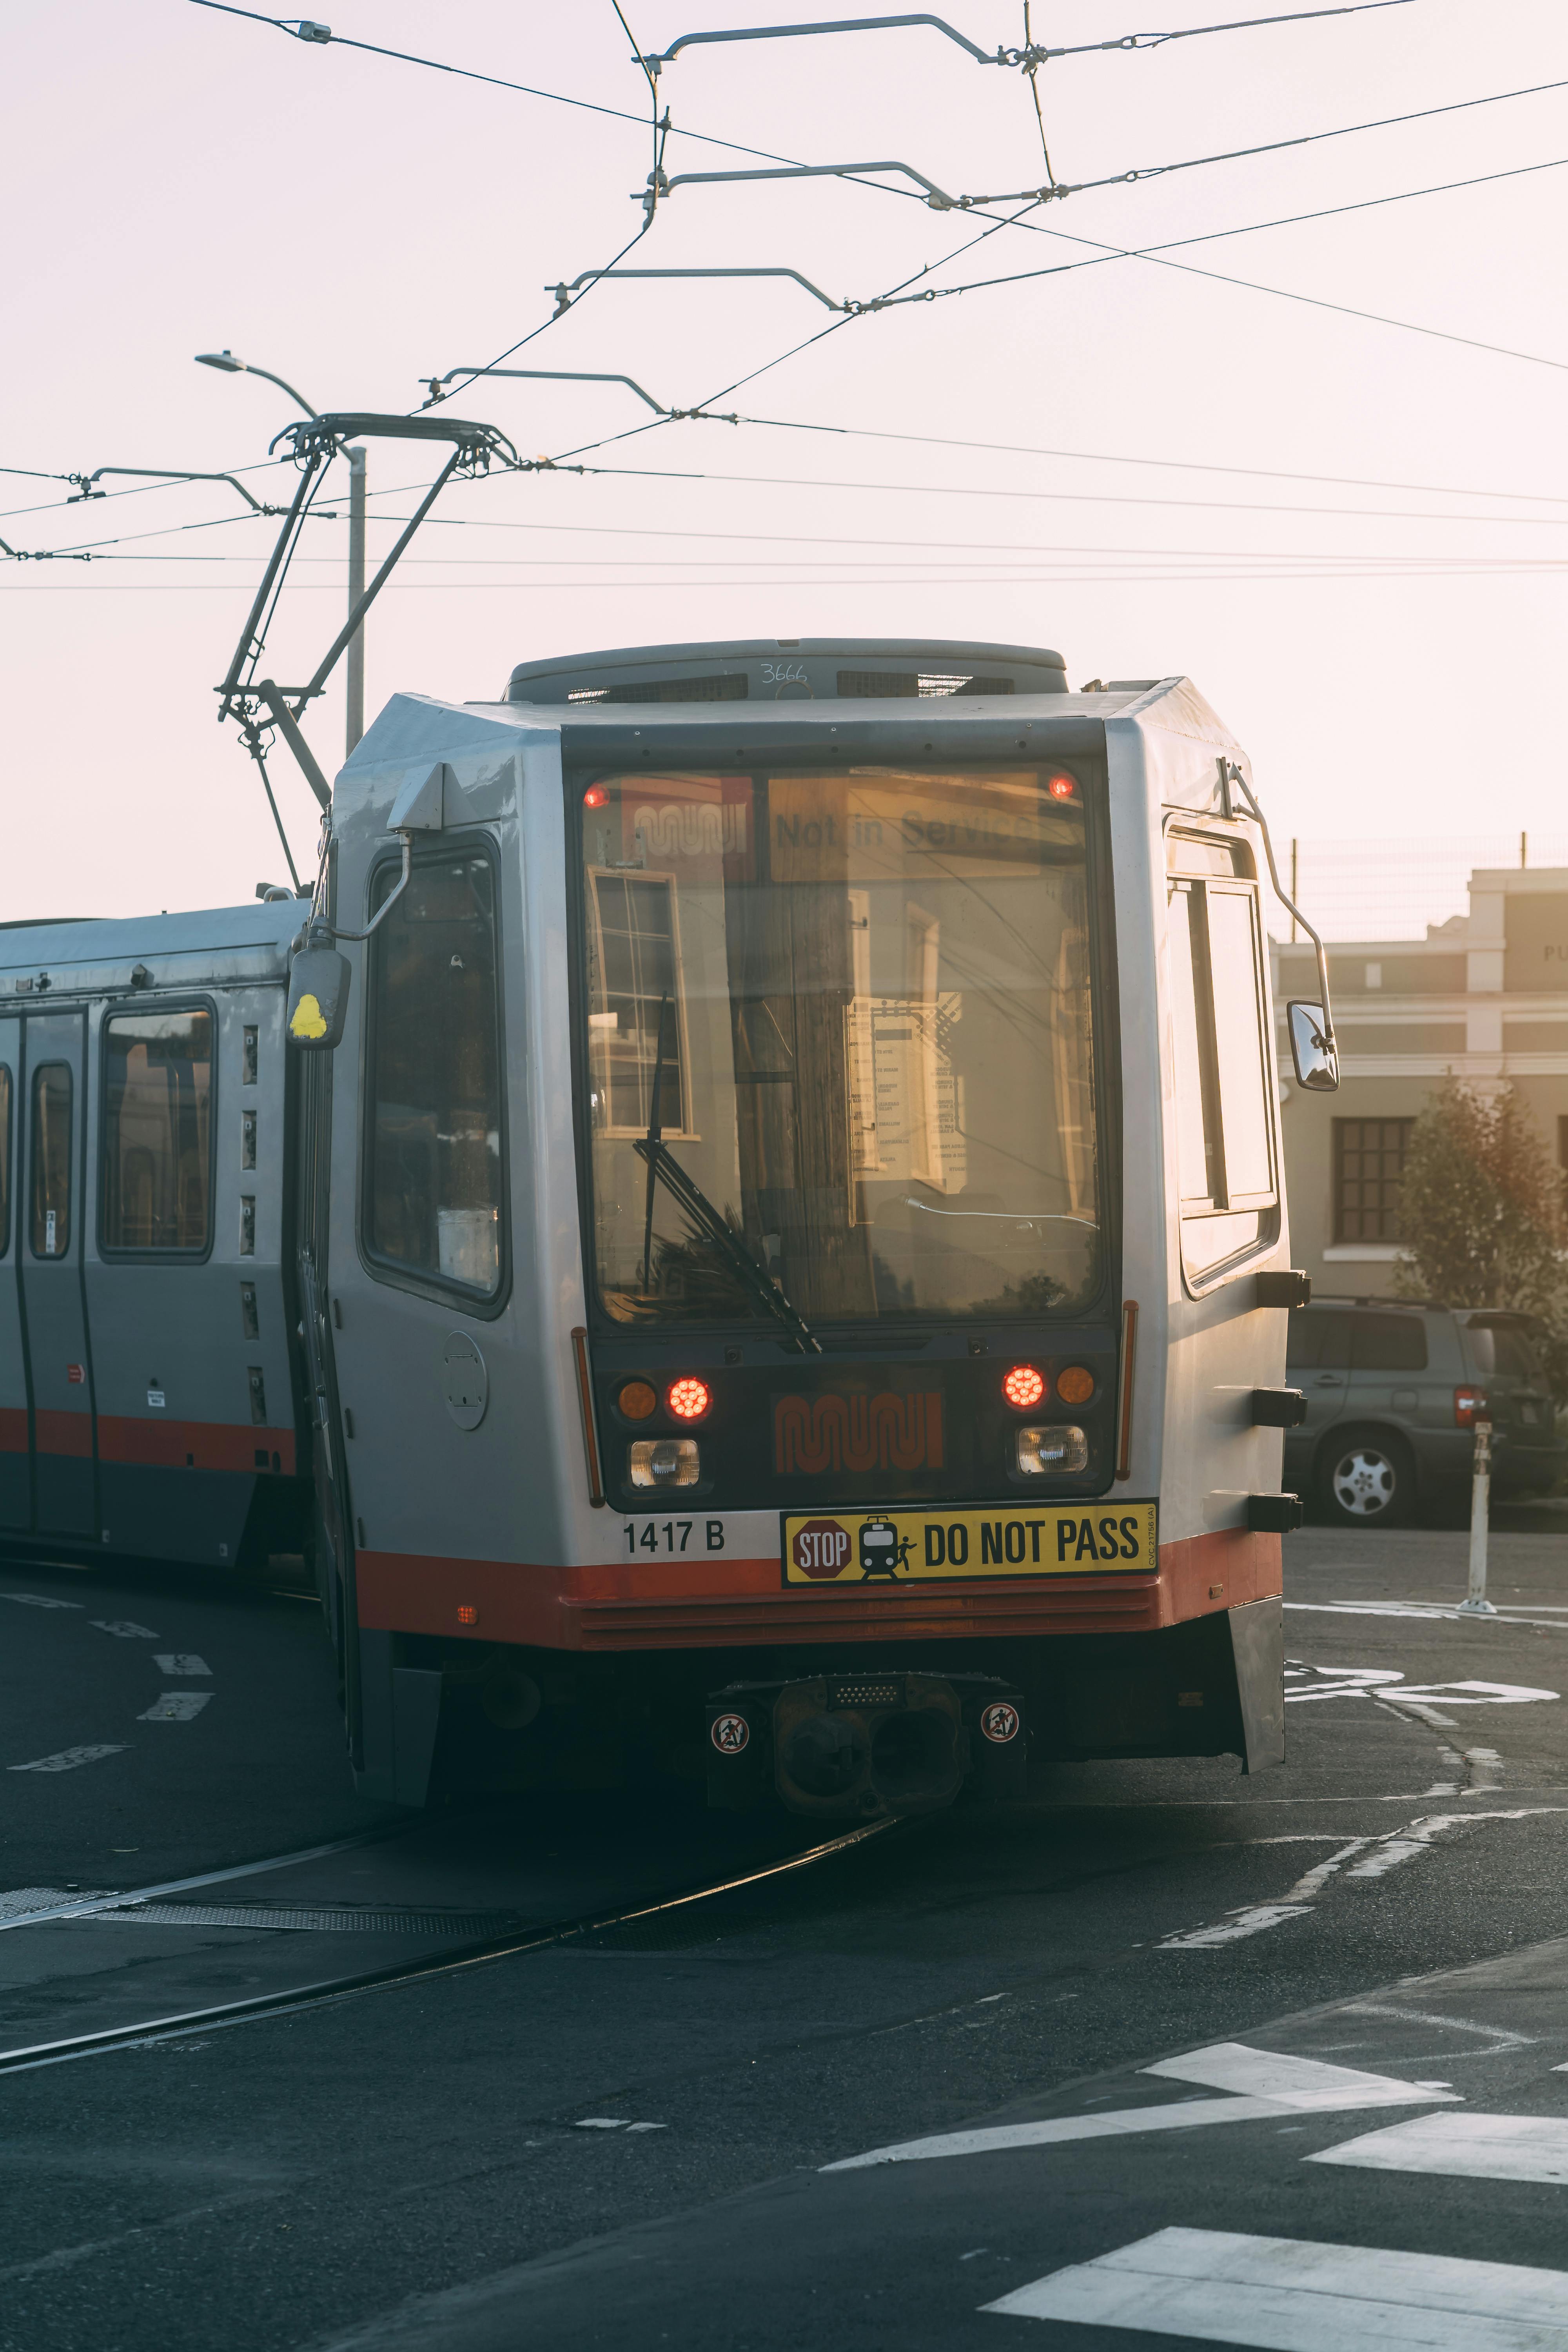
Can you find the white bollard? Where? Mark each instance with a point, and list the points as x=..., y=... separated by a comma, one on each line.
x=1475, y=1604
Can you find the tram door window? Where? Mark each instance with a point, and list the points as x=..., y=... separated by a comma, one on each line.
x=51, y=1171
x=434, y=1160
x=16, y=1475
x=63, y=1451
x=157, y=1141
x=5, y=1160
x=1225, y=1125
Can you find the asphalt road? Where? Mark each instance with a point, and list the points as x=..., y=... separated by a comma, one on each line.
x=621, y=2141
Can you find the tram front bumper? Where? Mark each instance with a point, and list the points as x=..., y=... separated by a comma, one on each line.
x=867, y=1744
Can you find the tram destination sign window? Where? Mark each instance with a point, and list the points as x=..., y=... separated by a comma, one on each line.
x=851, y=1551
x=839, y=1047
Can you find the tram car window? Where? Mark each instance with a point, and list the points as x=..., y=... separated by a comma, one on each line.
x=1225, y=1125
x=434, y=1159
x=157, y=1130
x=51, y=1155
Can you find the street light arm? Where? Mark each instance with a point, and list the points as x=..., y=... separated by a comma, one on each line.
x=229, y=365
x=437, y=384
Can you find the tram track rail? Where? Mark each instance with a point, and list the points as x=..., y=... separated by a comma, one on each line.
x=290, y=1999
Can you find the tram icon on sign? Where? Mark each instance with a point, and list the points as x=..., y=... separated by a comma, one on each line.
x=883, y=1552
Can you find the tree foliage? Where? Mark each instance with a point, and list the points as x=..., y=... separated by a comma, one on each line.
x=1481, y=1213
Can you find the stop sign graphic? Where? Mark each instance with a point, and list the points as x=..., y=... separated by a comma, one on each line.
x=820, y=1549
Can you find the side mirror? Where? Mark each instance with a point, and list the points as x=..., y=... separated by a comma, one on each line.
x=1317, y=1062
x=317, y=998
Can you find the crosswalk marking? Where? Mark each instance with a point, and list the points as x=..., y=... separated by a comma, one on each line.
x=174, y=1707
x=1291, y=2295
x=1262, y=2084
x=180, y=1662
x=1472, y=2146
x=68, y=1759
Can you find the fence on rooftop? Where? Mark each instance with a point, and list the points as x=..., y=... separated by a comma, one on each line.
x=1396, y=890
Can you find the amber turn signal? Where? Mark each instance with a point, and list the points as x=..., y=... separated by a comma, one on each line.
x=1076, y=1385
x=636, y=1399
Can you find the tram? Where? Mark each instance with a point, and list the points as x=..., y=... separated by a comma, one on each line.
x=757, y=1249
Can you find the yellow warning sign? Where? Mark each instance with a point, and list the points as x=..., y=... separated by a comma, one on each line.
x=850, y=1550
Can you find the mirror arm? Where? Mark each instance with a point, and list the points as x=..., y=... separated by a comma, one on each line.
x=1231, y=774
x=387, y=904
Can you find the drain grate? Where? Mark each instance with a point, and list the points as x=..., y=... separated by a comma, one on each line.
x=346, y=1920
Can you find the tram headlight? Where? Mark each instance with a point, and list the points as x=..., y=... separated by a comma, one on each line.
x=665, y=1461
x=1041, y=1451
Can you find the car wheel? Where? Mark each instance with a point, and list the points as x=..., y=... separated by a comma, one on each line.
x=1367, y=1479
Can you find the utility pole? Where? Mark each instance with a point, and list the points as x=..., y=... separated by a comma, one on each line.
x=354, y=675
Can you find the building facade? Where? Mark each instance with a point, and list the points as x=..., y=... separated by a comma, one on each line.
x=1484, y=996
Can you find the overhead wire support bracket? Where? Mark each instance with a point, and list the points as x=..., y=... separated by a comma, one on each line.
x=937, y=198
x=1027, y=59
x=565, y=289
x=437, y=384
x=84, y=490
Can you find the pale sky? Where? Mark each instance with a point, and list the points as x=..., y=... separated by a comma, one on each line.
x=178, y=179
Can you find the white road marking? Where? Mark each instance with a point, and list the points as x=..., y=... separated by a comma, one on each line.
x=602, y=2123
x=1289, y=2294
x=1264, y=2085
x=1378, y=1854
x=1484, y=1767
x=1472, y=2146
x=1234, y=1930
x=67, y=1759
x=39, y=1601
x=632, y=2127
x=1501, y=2034
x=126, y=1627
x=1429, y=1611
x=1404, y=1845
x=175, y=1707
x=1386, y=1685
x=181, y=1662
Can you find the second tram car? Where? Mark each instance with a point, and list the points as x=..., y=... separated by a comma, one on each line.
x=782, y=1239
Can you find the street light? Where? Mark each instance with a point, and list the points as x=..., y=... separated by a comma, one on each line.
x=353, y=680
x=231, y=366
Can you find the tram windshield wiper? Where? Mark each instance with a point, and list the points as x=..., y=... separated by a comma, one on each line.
x=712, y=1221
x=709, y=1220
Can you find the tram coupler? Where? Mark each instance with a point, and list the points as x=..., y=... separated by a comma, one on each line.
x=864, y=1745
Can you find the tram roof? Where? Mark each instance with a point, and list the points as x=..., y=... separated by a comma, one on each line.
x=769, y=669
x=248, y=942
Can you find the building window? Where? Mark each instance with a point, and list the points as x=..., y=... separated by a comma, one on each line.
x=434, y=1194
x=1369, y=1167
x=157, y=1130
x=636, y=1021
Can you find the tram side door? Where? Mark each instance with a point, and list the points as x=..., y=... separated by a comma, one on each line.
x=15, y=1443
x=51, y=1210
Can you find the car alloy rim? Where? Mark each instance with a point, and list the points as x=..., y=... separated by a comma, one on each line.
x=1364, y=1482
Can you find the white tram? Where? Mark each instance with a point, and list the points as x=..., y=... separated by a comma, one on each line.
x=789, y=1242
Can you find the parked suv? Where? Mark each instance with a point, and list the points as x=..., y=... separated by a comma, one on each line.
x=1393, y=1393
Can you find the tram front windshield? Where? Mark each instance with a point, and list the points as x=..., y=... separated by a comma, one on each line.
x=839, y=1048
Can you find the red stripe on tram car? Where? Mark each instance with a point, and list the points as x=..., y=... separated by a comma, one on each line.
x=626, y=1605
x=13, y=1429
x=168, y=1444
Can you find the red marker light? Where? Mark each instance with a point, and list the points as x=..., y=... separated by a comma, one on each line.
x=688, y=1399
x=466, y=1614
x=595, y=797
x=1024, y=1387
x=1061, y=788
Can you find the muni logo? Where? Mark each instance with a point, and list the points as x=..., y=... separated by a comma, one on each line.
x=857, y=1432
